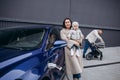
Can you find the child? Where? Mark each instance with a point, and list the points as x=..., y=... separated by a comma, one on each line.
x=76, y=35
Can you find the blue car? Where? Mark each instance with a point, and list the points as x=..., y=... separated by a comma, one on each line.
x=31, y=53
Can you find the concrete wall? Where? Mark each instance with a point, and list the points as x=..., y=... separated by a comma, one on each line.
x=111, y=37
x=89, y=13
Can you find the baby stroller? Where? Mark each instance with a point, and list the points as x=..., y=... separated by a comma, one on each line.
x=96, y=53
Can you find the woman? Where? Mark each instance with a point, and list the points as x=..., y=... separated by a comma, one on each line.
x=73, y=64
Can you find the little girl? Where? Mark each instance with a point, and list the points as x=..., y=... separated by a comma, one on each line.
x=76, y=35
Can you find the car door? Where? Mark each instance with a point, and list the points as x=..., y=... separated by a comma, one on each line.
x=56, y=56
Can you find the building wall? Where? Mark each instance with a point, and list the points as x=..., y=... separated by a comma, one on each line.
x=111, y=37
x=90, y=14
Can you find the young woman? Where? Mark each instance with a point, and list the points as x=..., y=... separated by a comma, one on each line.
x=73, y=64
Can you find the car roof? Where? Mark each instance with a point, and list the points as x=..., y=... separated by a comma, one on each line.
x=28, y=27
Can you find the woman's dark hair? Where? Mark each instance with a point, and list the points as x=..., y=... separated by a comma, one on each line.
x=64, y=22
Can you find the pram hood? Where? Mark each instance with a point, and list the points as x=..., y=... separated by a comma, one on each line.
x=100, y=44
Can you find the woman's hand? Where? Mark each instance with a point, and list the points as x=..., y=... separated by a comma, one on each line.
x=77, y=43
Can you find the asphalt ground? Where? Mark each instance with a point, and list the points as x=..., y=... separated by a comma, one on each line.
x=106, y=69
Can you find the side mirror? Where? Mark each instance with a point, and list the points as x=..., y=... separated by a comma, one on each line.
x=60, y=43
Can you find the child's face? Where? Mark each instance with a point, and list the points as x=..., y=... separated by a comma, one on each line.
x=75, y=27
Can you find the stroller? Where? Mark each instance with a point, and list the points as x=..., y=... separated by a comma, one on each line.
x=96, y=53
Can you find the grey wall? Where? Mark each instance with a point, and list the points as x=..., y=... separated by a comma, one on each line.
x=90, y=13
x=96, y=12
x=51, y=11
x=111, y=37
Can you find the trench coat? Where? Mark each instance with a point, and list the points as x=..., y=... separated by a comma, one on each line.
x=73, y=63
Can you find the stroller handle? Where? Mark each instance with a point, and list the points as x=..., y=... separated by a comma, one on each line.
x=100, y=45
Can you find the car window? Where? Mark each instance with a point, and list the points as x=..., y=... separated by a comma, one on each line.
x=24, y=39
x=53, y=36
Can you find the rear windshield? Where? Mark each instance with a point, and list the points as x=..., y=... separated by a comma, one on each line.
x=24, y=39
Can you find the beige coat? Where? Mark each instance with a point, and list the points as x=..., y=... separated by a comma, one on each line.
x=73, y=63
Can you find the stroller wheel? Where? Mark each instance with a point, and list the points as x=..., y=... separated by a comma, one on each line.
x=101, y=58
x=89, y=56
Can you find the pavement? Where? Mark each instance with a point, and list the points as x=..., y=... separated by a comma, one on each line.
x=106, y=69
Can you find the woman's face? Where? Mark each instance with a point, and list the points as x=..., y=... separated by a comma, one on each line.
x=67, y=23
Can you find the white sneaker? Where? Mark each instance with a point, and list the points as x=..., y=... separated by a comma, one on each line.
x=72, y=52
x=77, y=53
